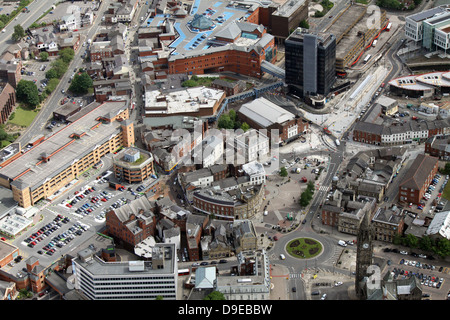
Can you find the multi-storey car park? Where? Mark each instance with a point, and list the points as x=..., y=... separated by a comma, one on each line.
x=354, y=33
x=40, y=172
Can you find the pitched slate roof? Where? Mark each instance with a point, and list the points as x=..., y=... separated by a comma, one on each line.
x=417, y=174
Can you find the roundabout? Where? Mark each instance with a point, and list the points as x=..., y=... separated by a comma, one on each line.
x=304, y=248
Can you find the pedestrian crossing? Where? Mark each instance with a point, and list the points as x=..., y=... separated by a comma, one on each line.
x=314, y=270
x=324, y=188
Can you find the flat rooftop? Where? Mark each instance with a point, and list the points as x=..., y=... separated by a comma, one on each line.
x=427, y=14
x=288, y=8
x=181, y=101
x=30, y=171
x=352, y=37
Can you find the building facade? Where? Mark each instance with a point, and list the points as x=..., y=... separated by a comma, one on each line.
x=310, y=63
x=129, y=280
x=133, y=165
x=72, y=148
x=413, y=186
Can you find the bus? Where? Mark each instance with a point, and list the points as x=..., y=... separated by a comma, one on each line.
x=183, y=272
x=367, y=58
x=389, y=26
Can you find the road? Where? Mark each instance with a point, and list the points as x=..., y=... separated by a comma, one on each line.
x=52, y=102
x=37, y=8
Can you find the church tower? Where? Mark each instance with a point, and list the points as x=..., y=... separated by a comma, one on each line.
x=364, y=252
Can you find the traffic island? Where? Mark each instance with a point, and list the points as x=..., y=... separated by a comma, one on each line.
x=304, y=248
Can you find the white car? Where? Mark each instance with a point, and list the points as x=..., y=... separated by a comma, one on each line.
x=324, y=296
x=403, y=252
x=337, y=284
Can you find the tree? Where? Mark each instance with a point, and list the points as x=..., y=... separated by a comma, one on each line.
x=44, y=56
x=51, y=74
x=81, y=83
x=425, y=243
x=27, y=92
x=189, y=83
x=283, y=172
x=412, y=241
x=304, y=24
x=18, y=33
x=215, y=295
x=225, y=122
x=305, y=198
x=66, y=55
x=310, y=186
x=51, y=85
x=442, y=247
x=232, y=115
x=245, y=127
x=60, y=67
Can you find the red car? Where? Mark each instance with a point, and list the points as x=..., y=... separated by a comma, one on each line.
x=69, y=205
x=104, y=200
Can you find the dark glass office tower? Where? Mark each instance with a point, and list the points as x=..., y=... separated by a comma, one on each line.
x=310, y=62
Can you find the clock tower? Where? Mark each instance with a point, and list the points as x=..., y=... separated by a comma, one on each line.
x=364, y=251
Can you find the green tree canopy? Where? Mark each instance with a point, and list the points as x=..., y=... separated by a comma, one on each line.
x=245, y=127
x=51, y=74
x=283, y=172
x=225, y=122
x=66, y=55
x=215, y=295
x=81, y=83
x=51, y=85
x=18, y=33
x=27, y=92
x=60, y=67
x=44, y=56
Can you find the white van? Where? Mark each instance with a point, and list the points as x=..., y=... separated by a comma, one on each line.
x=342, y=243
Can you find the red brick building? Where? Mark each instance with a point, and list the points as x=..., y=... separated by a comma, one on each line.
x=249, y=45
x=131, y=223
x=7, y=101
x=417, y=179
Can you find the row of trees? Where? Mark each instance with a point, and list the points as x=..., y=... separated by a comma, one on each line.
x=6, y=18
x=397, y=4
x=307, y=195
x=27, y=91
x=439, y=246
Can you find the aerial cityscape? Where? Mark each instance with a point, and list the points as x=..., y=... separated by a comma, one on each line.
x=253, y=150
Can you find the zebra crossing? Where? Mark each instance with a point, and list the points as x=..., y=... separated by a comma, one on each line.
x=299, y=275
x=324, y=188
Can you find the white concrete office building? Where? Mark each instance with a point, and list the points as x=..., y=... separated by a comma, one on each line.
x=128, y=280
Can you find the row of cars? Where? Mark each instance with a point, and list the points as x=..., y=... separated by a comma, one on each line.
x=63, y=239
x=431, y=188
x=205, y=263
x=426, y=280
x=46, y=231
x=94, y=203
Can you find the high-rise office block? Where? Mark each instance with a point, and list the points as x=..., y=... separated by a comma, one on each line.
x=310, y=63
